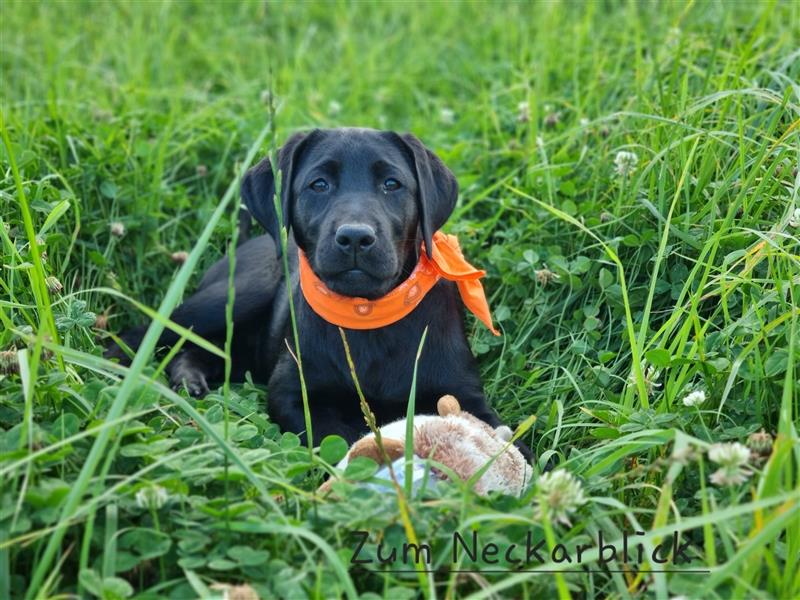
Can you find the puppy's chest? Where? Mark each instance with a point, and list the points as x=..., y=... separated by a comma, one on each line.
x=384, y=357
x=384, y=363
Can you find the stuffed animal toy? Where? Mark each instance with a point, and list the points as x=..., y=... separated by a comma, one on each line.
x=457, y=440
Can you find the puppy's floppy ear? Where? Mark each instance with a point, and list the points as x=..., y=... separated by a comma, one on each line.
x=258, y=187
x=438, y=188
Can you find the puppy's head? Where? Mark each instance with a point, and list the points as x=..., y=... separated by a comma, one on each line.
x=359, y=202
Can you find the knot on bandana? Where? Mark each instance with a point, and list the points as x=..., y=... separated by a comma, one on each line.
x=446, y=262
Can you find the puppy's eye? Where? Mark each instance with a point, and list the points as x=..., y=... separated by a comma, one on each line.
x=320, y=185
x=391, y=185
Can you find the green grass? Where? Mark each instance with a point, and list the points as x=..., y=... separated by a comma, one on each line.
x=617, y=295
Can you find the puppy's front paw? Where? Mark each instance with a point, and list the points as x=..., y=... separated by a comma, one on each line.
x=193, y=379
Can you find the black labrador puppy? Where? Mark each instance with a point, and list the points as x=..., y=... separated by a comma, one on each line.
x=359, y=203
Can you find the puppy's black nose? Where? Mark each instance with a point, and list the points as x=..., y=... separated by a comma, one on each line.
x=351, y=236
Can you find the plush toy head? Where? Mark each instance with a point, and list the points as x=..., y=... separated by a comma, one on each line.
x=457, y=440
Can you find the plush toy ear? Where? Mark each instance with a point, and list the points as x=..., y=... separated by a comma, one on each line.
x=437, y=188
x=258, y=187
x=448, y=405
x=368, y=446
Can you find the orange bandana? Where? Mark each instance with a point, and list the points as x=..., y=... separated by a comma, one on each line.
x=360, y=313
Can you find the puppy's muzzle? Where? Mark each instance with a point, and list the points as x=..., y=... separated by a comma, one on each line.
x=355, y=238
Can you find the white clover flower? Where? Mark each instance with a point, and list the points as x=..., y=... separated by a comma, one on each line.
x=152, y=497
x=53, y=284
x=733, y=459
x=101, y=321
x=794, y=220
x=673, y=37
x=523, y=112
x=760, y=442
x=334, y=108
x=684, y=455
x=235, y=592
x=559, y=494
x=730, y=454
x=117, y=229
x=725, y=476
x=696, y=398
x=625, y=163
x=545, y=276
x=447, y=116
x=539, y=142
x=552, y=119
x=584, y=122
x=9, y=361
x=650, y=375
